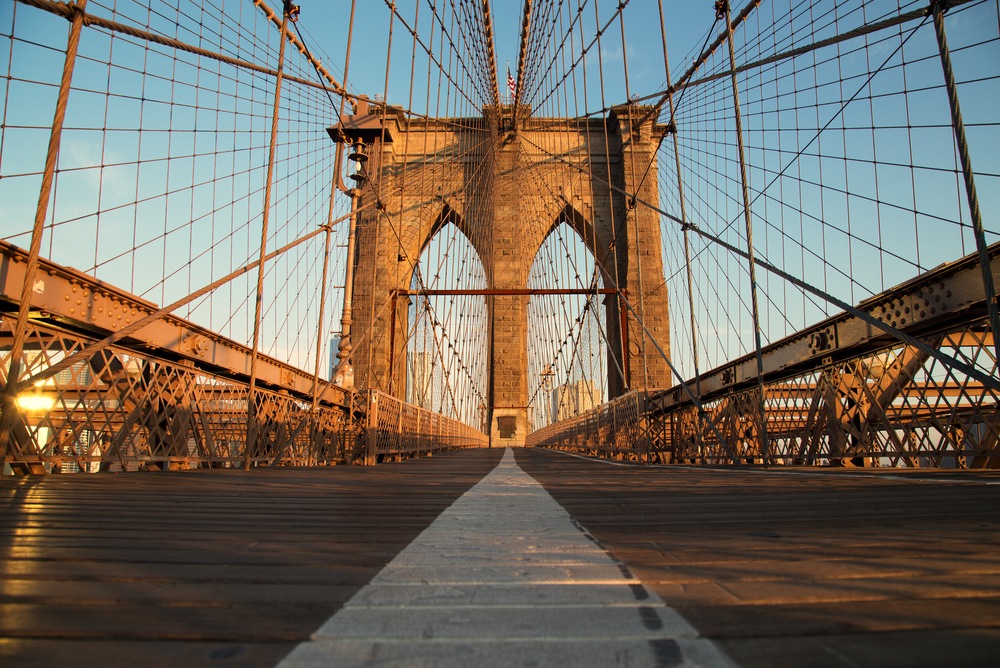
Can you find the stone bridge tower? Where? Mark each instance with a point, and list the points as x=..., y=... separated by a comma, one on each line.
x=507, y=182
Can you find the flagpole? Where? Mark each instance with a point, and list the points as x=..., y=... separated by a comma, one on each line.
x=511, y=83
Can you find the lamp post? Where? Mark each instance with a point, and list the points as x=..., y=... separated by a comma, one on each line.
x=547, y=375
x=344, y=373
x=362, y=132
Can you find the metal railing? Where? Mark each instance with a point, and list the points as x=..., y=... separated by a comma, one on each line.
x=895, y=406
x=617, y=429
x=908, y=378
x=122, y=409
x=397, y=430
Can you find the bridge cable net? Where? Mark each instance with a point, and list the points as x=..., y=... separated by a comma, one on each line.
x=808, y=166
x=187, y=127
x=853, y=182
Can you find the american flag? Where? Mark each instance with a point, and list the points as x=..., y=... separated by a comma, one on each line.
x=511, y=84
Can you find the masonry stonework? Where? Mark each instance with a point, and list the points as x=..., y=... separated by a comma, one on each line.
x=506, y=184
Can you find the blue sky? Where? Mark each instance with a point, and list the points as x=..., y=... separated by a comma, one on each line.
x=142, y=207
x=325, y=23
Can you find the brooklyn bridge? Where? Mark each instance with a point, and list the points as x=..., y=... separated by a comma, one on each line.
x=472, y=333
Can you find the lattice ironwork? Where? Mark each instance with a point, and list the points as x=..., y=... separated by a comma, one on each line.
x=896, y=406
x=122, y=410
x=617, y=429
x=398, y=430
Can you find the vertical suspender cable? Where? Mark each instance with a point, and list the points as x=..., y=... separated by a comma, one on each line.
x=627, y=384
x=10, y=411
x=251, y=443
x=751, y=264
x=379, y=209
x=319, y=334
x=958, y=126
x=630, y=206
x=343, y=374
x=685, y=226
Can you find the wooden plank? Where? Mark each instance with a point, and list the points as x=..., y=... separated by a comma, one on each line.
x=42, y=653
x=206, y=565
x=812, y=567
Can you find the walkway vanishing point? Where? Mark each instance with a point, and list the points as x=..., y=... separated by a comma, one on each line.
x=455, y=561
x=604, y=362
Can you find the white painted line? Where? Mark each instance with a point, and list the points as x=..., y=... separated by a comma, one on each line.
x=505, y=577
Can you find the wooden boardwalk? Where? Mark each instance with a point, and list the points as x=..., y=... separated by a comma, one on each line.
x=225, y=568
x=820, y=568
x=203, y=568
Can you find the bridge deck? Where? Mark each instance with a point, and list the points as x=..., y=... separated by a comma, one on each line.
x=819, y=568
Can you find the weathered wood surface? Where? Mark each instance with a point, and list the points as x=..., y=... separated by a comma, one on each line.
x=224, y=568
x=830, y=568
x=203, y=568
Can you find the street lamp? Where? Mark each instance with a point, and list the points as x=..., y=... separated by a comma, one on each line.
x=362, y=129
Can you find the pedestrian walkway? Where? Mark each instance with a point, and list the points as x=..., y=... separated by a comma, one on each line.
x=505, y=577
x=825, y=568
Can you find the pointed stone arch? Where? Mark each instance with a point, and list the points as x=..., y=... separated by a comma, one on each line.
x=595, y=238
x=473, y=172
x=405, y=320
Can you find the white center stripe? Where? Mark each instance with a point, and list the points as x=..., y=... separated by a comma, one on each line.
x=505, y=577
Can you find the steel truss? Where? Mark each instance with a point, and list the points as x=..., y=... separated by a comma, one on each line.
x=124, y=409
x=174, y=396
x=842, y=393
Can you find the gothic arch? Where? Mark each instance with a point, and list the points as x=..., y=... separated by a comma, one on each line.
x=447, y=215
x=591, y=236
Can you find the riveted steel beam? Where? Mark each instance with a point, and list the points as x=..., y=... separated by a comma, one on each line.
x=71, y=299
x=950, y=294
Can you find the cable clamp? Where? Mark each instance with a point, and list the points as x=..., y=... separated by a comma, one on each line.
x=938, y=5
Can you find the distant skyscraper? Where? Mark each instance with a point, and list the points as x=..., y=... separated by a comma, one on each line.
x=334, y=349
x=419, y=372
x=572, y=399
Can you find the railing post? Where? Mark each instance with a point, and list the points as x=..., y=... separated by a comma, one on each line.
x=642, y=425
x=403, y=437
x=751, y=262
x=372, y=441
x=10, y=412
x=958, y=126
